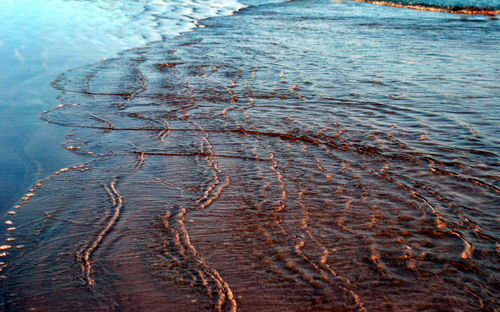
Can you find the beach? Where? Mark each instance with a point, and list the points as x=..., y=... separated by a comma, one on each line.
x=287, y=156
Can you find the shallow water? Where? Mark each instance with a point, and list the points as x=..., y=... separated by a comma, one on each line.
x=41, y=39
x=303, y=156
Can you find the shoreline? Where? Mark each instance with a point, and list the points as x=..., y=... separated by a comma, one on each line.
x=314, y=187
x=31, y=69
x=457, y=10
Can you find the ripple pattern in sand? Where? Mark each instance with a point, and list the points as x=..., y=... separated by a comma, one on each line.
x=230, y=175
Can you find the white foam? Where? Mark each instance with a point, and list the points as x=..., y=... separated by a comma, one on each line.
x=55, y=35
x=43, y=38
x=161, y=19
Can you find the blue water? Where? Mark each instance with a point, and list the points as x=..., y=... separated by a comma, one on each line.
x=39, y=40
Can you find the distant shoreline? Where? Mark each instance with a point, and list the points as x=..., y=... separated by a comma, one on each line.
x=453, y=10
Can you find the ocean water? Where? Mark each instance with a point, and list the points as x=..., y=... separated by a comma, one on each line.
x=293, y=156
x=41, y=39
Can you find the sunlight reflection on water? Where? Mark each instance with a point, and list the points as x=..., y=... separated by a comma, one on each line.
x=305, y=156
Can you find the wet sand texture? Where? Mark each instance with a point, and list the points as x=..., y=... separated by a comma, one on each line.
x=292, y=157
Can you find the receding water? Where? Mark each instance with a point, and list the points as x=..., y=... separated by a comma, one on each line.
x=296, y=156
x=39, y=40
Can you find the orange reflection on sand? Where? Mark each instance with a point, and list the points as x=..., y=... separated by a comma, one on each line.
x=434, y=9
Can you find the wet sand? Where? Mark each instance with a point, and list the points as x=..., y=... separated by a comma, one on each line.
x=238, y=168
x=446, y=9
x=41, y=39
